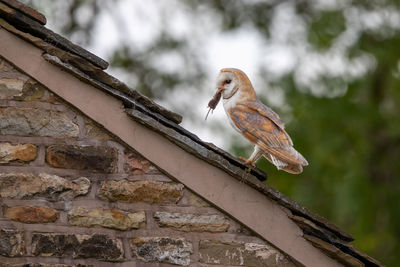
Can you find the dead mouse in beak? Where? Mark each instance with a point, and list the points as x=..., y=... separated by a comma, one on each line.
x=214, y=101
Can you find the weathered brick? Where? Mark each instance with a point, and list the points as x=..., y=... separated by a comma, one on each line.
x=19, y=152
x=28, y=214
x=95, y=246
x=241, y=254
x=96, y=159
x=11, y=243
x=136, y=164
x=141, y=191
x=192, y=222
x=162, y=249
x=35, y=121
x=115, y=219
x=53, y=187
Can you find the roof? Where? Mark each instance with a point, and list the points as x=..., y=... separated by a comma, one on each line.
x=28, y=24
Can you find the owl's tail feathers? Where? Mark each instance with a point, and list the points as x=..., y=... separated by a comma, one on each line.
x=289, y=167
x=285, y=153
x=299, y=157
x=293, y=168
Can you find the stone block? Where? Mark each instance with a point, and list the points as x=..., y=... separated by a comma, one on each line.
x=162, y=249
x=7, y=70
x=95, y=159
x=95, y=246
x=196, y=201
x=37, y=122
x=241, y=254
x=94, y=131
x=11, y=243
x=18, y=89
x=17, y=86
x=19, y=152
x=52, y=187
x=115, y=219
x=28, y=214
x=141, y=191
x=10, y=87
x=136, y=164
x=31, y=91
x=192, y=222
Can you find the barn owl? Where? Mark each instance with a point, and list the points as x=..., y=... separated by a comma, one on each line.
x=257, y=122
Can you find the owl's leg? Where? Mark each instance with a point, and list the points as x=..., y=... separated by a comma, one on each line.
x=257, y=153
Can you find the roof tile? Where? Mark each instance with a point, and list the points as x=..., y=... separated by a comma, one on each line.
x=27, y=10
x=26, y=24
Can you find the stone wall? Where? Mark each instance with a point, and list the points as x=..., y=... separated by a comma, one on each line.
x=73, y=195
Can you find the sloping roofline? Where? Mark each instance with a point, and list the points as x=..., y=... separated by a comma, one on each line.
x=80, y=63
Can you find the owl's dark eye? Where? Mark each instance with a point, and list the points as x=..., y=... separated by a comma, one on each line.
x=228, y=81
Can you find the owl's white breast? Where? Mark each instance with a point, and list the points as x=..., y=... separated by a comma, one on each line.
x=230, y=103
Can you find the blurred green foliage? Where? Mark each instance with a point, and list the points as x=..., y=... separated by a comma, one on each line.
x=325, y=27
x=347, y=126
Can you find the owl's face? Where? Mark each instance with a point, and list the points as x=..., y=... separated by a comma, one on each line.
x=228, y=83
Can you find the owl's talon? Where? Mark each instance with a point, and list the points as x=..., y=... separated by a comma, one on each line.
x=248, y=162
x=243, y=159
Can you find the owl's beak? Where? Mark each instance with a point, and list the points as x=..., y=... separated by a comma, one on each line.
x=220, y=90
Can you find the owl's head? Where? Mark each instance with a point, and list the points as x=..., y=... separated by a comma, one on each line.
x=234, y=81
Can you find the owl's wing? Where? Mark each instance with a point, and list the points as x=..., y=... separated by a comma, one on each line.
x=266, y=131
x=266, y=112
